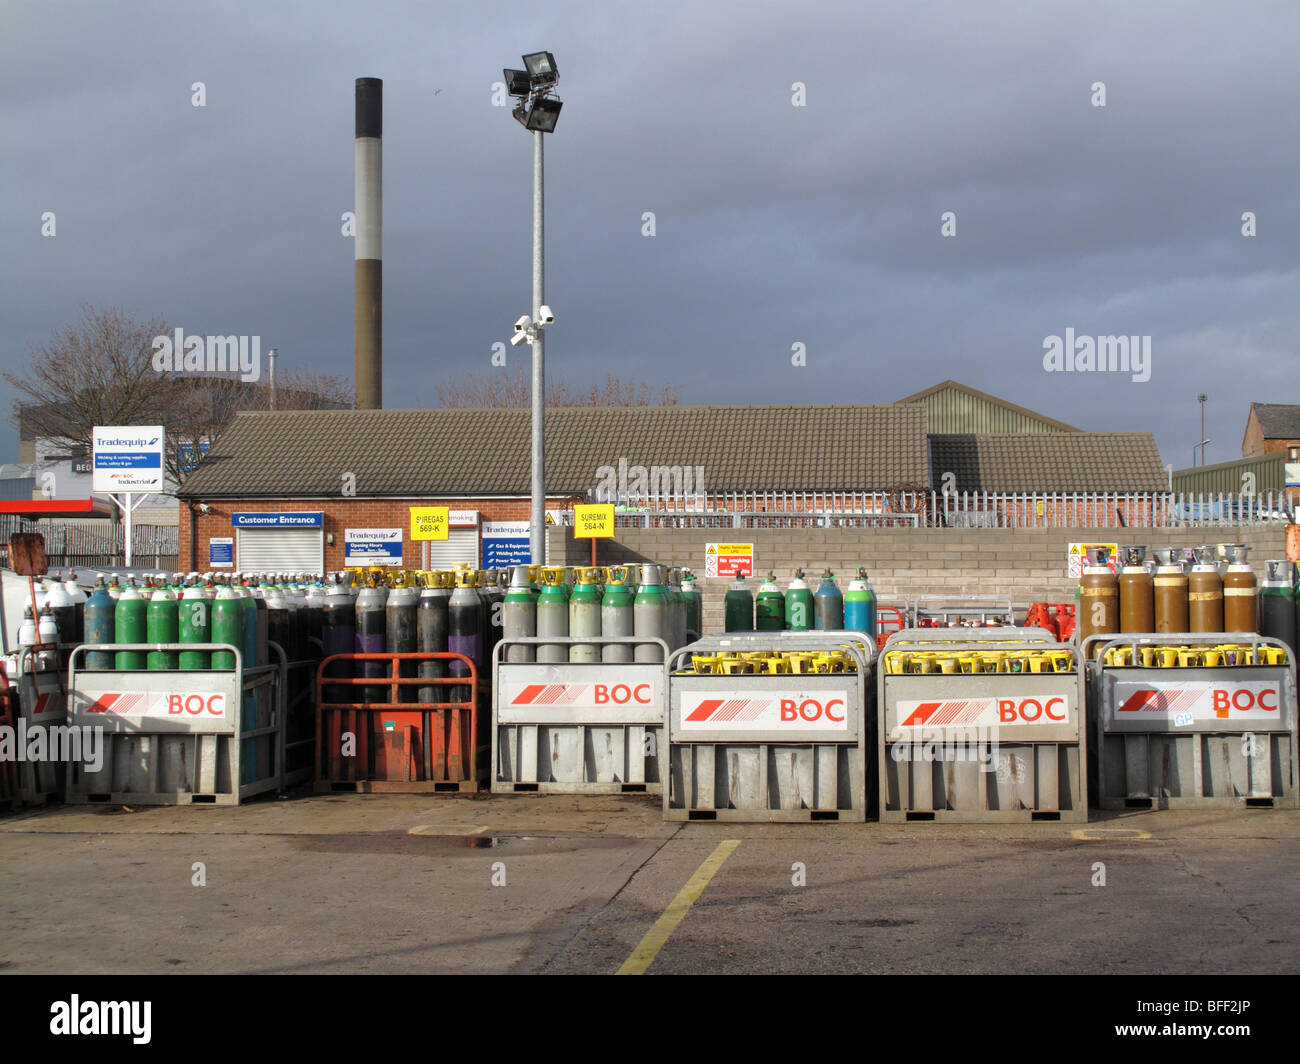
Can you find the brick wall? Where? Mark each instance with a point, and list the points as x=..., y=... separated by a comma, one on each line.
x=339, y=516
x=1027, y=565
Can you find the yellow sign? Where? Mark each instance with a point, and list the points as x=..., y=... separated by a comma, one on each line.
x=429, y=522
x=593, y=522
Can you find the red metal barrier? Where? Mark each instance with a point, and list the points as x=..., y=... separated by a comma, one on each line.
x=400, y=746
x=887, y=626
x=8, y=719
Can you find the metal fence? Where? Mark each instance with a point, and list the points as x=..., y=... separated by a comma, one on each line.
x=69, y=546
x=952, y=509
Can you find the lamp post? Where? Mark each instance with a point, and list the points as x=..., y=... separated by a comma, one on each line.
x=1201, y=399
x=537, y=111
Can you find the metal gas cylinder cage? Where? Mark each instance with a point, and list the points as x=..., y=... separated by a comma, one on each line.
x=174, y=737
x=1171, y=733
x=577, y=727
x=771, y=746
x=976, y=740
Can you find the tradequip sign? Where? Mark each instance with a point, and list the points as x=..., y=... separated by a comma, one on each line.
x=127, y=458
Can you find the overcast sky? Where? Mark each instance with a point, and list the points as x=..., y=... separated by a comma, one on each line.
x=776, y=224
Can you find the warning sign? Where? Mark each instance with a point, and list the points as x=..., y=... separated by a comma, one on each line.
x=593, y=522
x=429, y=522
x=1079, y=554
x=729, y=559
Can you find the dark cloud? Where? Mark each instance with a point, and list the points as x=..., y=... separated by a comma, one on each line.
x=775, y=224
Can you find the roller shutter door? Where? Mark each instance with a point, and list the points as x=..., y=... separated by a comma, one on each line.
x=461, y=545
x=278, y=550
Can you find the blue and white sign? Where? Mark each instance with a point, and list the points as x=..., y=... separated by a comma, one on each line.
x=372, y=546
x=296, y=519
x=221, y=552
x=127, y=458
x=505, y=543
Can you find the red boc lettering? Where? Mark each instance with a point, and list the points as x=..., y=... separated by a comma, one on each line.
x=1011, y=713
x=621, y=694
x=810, y=710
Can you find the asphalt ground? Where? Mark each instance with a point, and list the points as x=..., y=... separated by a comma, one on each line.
x=401, y=884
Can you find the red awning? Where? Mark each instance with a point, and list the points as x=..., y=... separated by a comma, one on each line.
x=38, y=508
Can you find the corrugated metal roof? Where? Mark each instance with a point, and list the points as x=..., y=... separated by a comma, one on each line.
x=1228, y=478
x=1049, y=462
x=486, y=452
x=1277, y=421
x=955, y=408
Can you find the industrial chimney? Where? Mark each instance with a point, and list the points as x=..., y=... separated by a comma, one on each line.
x=368, y=313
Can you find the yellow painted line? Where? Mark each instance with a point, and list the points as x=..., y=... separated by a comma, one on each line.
x=648, y=948
x=1109, y=834
x=438, y=829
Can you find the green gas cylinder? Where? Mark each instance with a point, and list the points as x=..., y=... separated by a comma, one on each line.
x=194, y=614
x=227, y=626
x=161, y=626
x=130, y=626
x=770, y=606
x=798, y=604
x=738, y=607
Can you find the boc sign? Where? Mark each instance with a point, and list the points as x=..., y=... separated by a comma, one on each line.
x=127, y=458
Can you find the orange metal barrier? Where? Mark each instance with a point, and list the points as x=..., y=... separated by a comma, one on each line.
x=8, y=719
x=887, y=626
x=394, y=746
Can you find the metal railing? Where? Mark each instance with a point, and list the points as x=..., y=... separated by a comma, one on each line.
x=67, y=546
x=952, y=509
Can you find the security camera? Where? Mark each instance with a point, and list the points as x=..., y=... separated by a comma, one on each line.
x=520, y=337
x=204, y=508
x=546, y=314
x=522, y=324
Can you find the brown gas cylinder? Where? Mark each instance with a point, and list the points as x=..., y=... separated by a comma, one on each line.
x=1205, y=594
x=1098, y=598
x=1136, y=600
x=1170, y=592
x=1240, y=593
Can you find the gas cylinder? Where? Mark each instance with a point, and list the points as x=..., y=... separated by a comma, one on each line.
x=99, y=625
x=616, y=617
x=1277, y=612
x=194, y=625
x=1137, y=608
x=1240, y=593
x=1170, y=584
x=769, y=606
x=401, y=634
x=860, y=605
x=494, y=592
x=464, y=630
x=279, y=628
x=338, y=632
x=162, y=626
x=738, y=607
x=519, y=615
x=27, y=634
x=47, y=632
x=64, y=612
x=433, y=630
x=227, y=626
x=1098, y=612
x=114, y=587
x=798, y=604
x=130, y=626
x=370, y=627
x=693, y=600
x=1205, y=594
x=828, y=605
x=255, y=754
x=553, y=615
x=79, y=598
x=676, y=602
x=649, y=614
x=584, y=616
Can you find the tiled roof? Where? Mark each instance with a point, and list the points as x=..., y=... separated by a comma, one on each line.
x=1050, y=462
x=1278, y=421
x=486, y=451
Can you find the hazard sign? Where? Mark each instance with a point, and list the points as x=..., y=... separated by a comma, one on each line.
x=1079, y=554
x=729, y=559
x=593, y=522
x=429, y=522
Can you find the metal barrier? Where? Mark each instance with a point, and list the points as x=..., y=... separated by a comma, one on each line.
x=298, y=738
x=779, y=746
x=944, y=636
x=1171, y=734
x=9, y=793
x=417, y=746
x=981, y=730
x=577, y=727
x=171, y=737
x=943, y=608
x=42, y=702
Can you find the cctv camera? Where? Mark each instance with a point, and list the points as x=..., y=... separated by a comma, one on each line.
x=523, y=323
x=204, y=508
x=546, y=314
x=520, y=337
